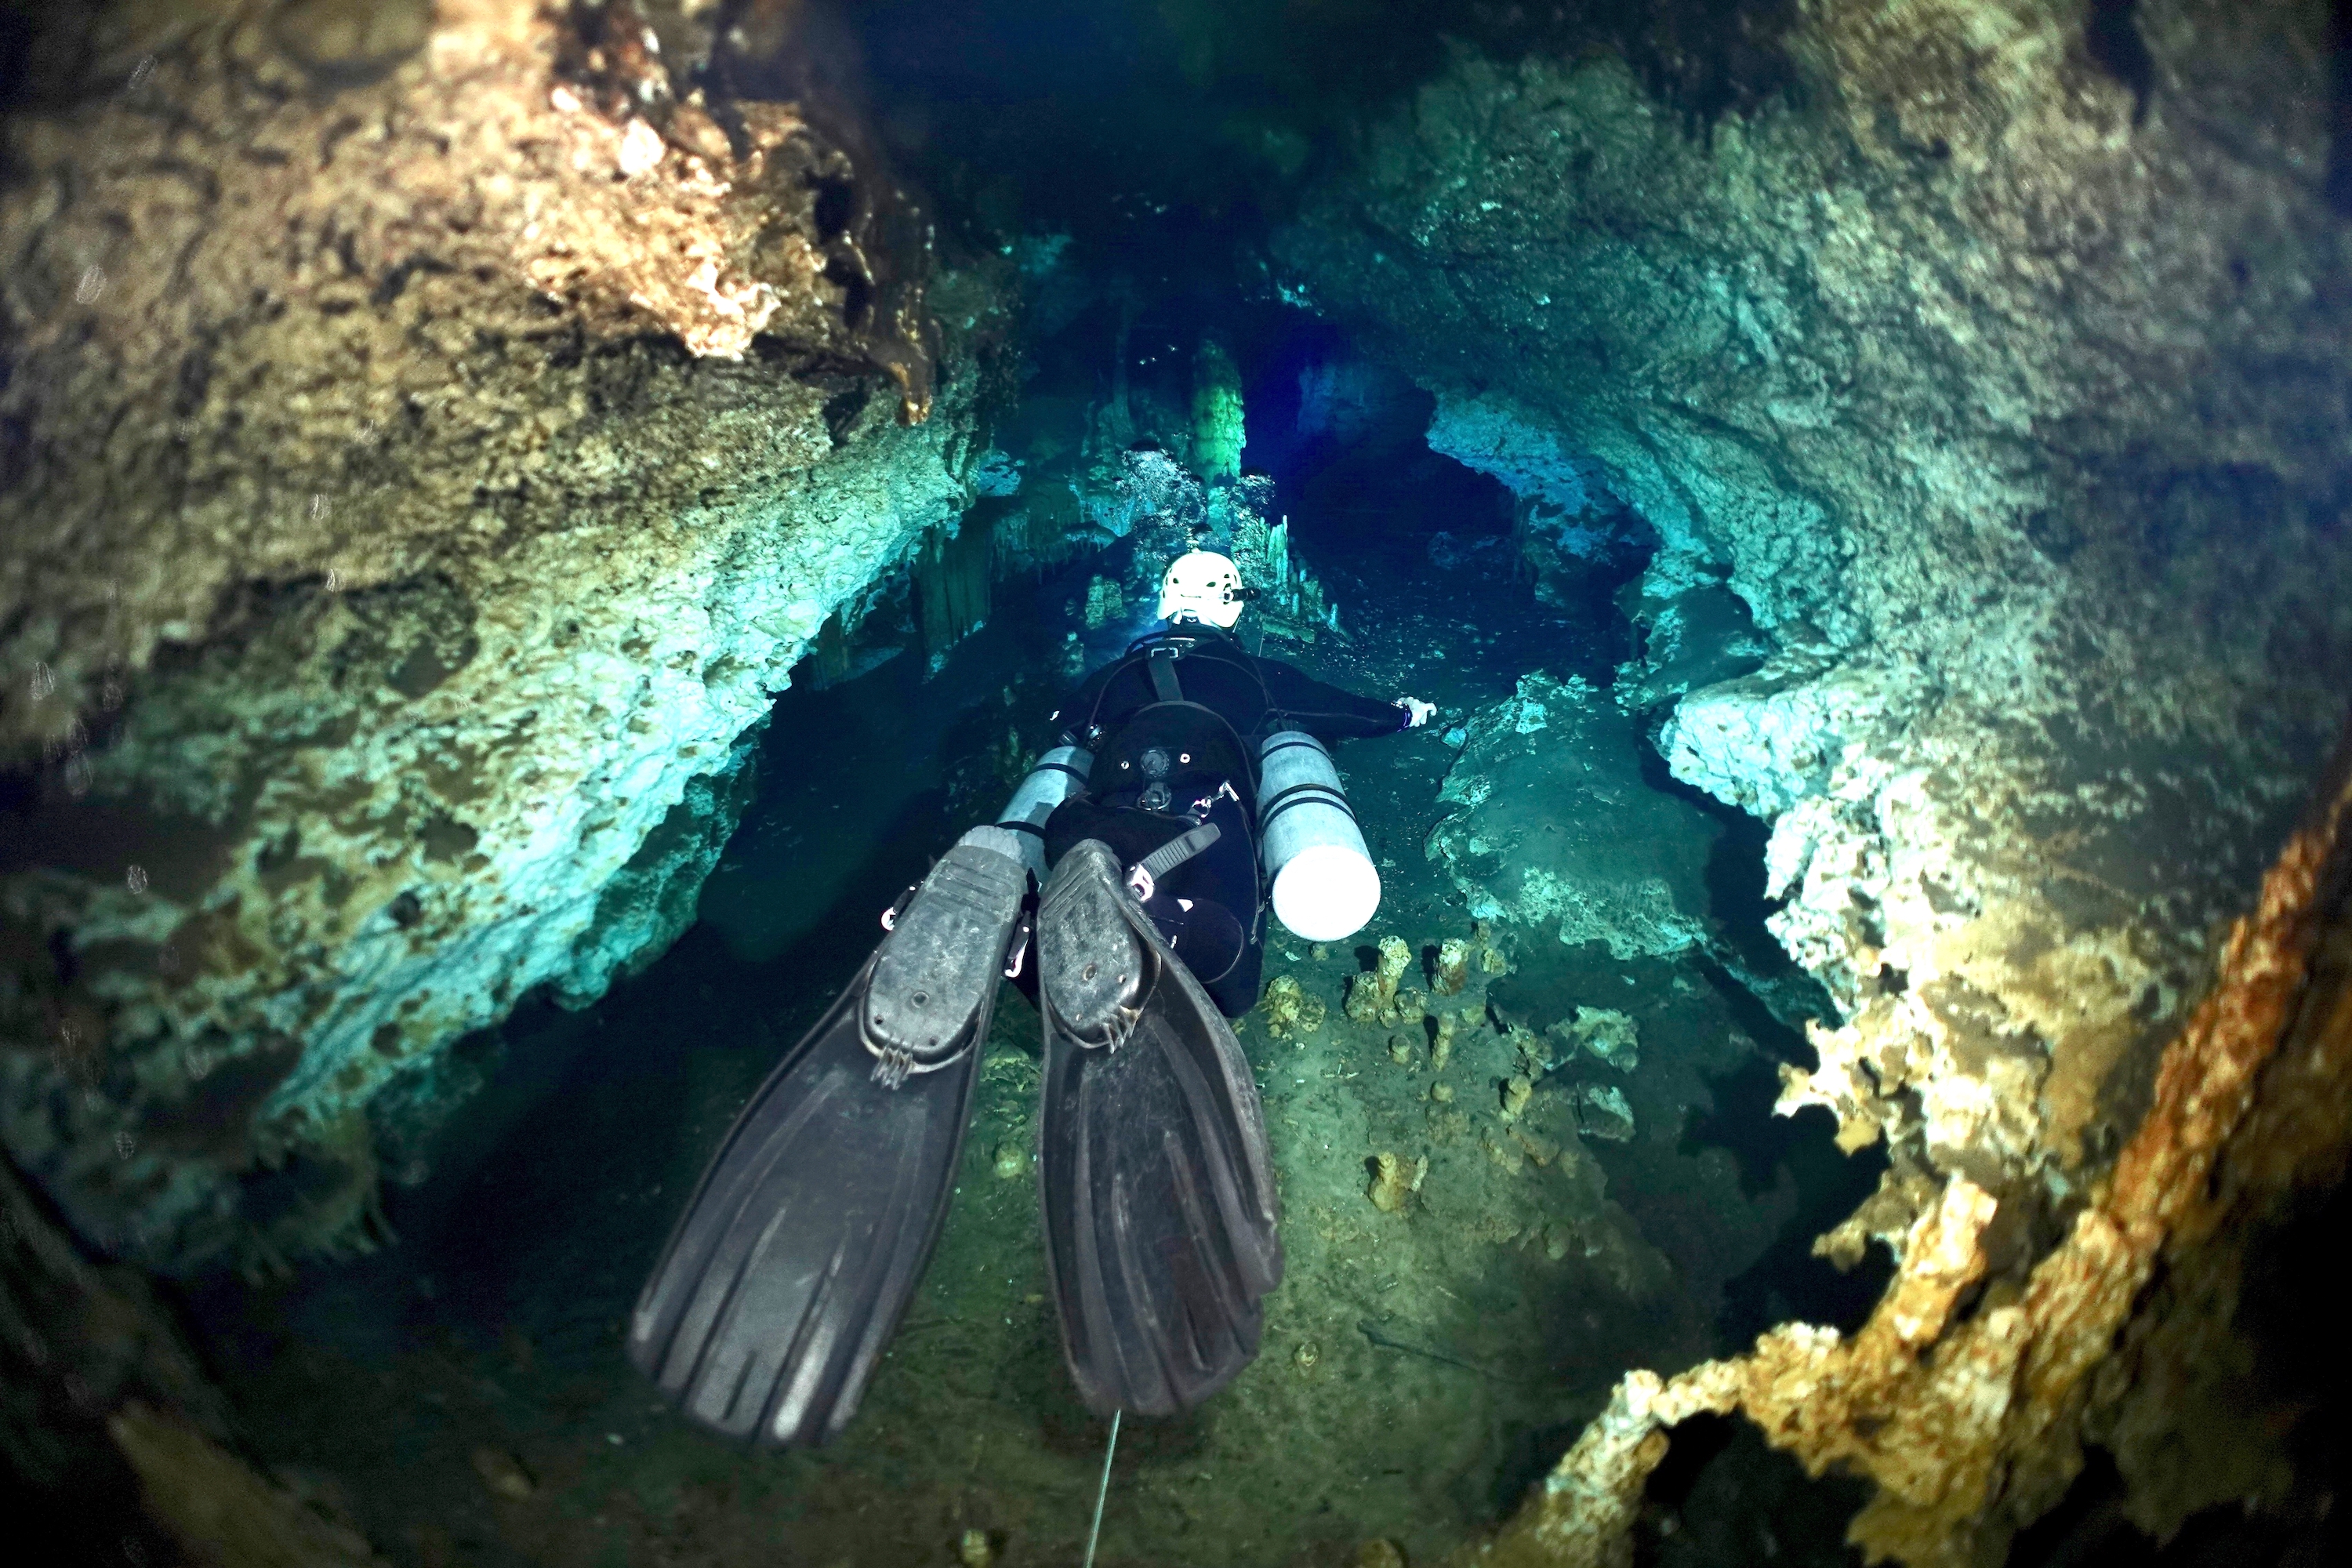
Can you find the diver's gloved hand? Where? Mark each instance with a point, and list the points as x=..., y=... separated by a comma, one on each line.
x=1416, y=711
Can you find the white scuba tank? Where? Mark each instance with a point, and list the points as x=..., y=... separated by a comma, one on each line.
x=1325, y=885
x=1058, y=775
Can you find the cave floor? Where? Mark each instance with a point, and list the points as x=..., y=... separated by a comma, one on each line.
x=465, y=1396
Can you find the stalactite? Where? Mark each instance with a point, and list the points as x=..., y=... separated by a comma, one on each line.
x=953, y=578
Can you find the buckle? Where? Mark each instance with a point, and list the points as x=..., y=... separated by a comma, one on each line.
x=891, y=1065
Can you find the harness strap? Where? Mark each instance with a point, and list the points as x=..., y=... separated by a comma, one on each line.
x=1161, y=662
x=1179, y=849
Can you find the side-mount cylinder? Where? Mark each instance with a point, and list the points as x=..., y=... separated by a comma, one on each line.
x=1326, y=886
x=1058, y=775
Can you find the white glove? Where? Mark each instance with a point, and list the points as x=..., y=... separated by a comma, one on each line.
x=1417, y=713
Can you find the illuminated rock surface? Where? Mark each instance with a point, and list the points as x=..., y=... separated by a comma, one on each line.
x=423, y=476
x=1955, y=367
x=1971, y=1410
x=437, y=431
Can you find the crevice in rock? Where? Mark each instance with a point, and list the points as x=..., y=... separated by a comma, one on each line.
x=2112, y=35
x=1729, y=1497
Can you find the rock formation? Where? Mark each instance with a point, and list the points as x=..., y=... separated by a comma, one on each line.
x=2009, y=396
x=432, y=435
x=1971, y=1395
x=106, y=1403
x=1554, y=829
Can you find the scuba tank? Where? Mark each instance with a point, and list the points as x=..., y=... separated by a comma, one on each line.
x=1325, y=888
x=1058, y=775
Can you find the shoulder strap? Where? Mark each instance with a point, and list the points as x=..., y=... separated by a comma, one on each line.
x=1164, y=684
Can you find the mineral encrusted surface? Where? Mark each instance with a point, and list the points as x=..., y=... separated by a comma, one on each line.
x=1554, y=829
x=2011, y=405
x=1969, y=1398
x=2009, y=396
x=430, y=443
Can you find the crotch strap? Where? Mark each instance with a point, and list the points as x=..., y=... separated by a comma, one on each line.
x=1145, y=874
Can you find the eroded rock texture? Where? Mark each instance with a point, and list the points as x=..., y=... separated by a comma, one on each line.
x=432, y=435
x=1971, y=1397
x=2013, y=404
x=2007, y=390
x=109, y=1417
x=1554, y=829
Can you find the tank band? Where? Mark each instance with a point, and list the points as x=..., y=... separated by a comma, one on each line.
x=1303, y=795
x=1308, y=742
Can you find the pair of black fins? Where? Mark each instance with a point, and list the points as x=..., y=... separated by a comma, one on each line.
x=779, y=1290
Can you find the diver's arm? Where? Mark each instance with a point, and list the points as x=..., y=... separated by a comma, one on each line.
x=1326, y=711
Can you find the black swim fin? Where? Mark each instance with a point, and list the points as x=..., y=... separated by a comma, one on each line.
x=782, y=1284
x=1159, y=1196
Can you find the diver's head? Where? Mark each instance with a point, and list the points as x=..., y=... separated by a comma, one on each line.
x=1203, y=585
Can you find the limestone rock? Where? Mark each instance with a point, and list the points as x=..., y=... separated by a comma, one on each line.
x=1372, y=996
x=1394, y=1181
x=2010, y=401
x=1516, y=1090
x=1290, y=1009
x=1554, y=828
x=1606, y=1033
x=1602, y=1113
x=1453, y=969
x=1216, y=414
x=1970, y=1404
x=1105, y=603
x=420, y=484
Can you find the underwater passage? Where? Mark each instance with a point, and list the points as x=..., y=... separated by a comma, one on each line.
x=800, y=1250
x=1601, y=747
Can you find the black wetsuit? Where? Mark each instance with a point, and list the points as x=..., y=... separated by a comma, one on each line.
x=1174, y=727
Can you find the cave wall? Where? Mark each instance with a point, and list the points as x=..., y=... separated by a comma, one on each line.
x=432, y=434
x=2005, y=380
x=2180, y=1324
x=2012, y=403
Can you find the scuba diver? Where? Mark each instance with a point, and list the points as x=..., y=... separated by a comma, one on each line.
x=1183, y=766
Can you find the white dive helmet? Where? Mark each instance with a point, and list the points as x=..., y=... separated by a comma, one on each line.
x=1204, y=585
